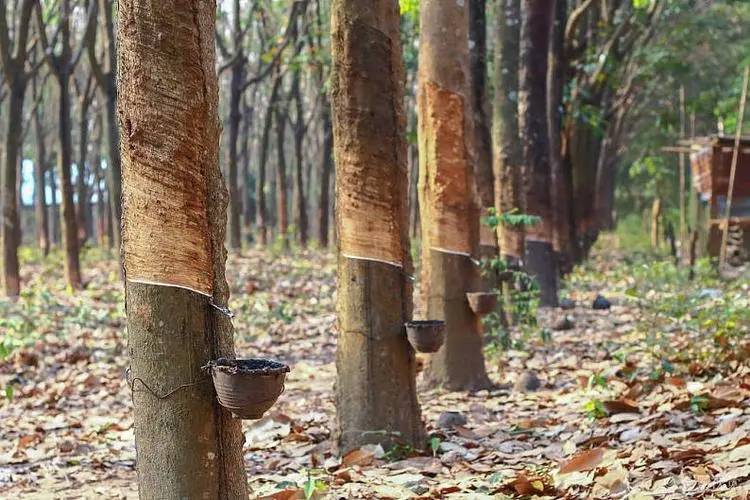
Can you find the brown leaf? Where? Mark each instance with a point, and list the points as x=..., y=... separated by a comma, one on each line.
x=288, y=494
x=621, y=406
x=358, y=457
x=586, y=460
x=690, y=454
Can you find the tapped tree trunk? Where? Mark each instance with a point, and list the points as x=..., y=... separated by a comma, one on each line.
x=448, y=211
x=376, y=399
x=507, y=159
x=540, y=259
x=187, y=445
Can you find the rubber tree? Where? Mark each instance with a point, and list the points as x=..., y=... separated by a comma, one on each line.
x=174, y=224
x=62, y=65
x=375, y=396
x=539, y=255
x=40, y=169
x=15, y=77
x=105, y=72
x=448, y=209
x=482, y=123
x=507, y=148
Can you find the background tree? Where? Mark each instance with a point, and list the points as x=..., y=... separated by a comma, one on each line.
x=16, y=74
x=448, y=210
x=536, y=25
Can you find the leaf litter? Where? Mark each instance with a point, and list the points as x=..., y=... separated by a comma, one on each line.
x=619, y=413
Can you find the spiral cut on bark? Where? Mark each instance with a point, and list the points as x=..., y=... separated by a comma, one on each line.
x=166, y=233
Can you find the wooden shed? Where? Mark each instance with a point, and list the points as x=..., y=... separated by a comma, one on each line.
x=710, y=165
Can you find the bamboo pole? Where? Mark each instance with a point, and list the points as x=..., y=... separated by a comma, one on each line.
x=735, y=156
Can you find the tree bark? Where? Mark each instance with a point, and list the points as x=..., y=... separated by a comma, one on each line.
x=541, y=263
x=326, y=166
x=260, y=193
x=15, y=77
x=375, y=389
x=9, y=228
x=83, y=143
x=65, y=157
x=507, y=158
x=40, y=169
x=187, y=445
x=282, y=205
x=482, y=136
x=300, y=203
x=235, y=117
x=448, y=211
x=559, y=169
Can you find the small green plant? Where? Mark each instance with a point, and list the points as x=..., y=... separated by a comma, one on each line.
x=398, y=452
x=313, y=485
x=521, y=295
x=434, y=445
x=595, y=409
x=698, y=404
x=597, y=380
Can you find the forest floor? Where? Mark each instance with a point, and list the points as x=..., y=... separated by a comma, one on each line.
x=649, y=399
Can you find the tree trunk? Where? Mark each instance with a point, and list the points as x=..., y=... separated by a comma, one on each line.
x=187, y=445
x=376, y=398
x=260, y=188
x=448, y=211
x=282, y=205
x=300, y=203
x=248, y=180
x=507, y=158
x=114, y=168
x=9, y=226
x=54, y=216
x=325, y=172
x=559, y=176
x=83, y=142
x=536, y=24
x=40, y=192
x=235, y=118
x=69, y=226
x=482, y=137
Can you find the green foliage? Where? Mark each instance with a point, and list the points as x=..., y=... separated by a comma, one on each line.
x=410, y=9
x=434, y=445
x=521, y=298
x=594, y=409
x=313, y=485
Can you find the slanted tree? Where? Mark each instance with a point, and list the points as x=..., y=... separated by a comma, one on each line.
x=376, y=398
x=15, y=76
x=540, y=259
x=174, y=223
x=507, y=149
x=448, y=208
